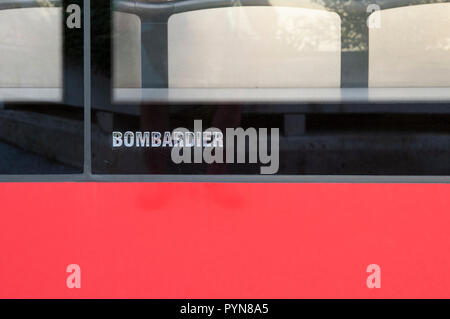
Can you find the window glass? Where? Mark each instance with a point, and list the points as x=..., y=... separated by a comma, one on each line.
x=41, y=88
x=331, y=87
x=31, y=54
x=254, y=47
x=411, y=48
x=240, y=53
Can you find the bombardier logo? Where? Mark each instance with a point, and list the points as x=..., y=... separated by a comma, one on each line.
x=207, y=146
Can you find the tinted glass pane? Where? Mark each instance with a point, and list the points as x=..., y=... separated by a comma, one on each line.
x=41, y=89
x=411, y=48
x=319, y=75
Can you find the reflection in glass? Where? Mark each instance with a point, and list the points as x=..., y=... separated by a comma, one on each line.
x=254, y=47
x=31, y=54
x=411, y=48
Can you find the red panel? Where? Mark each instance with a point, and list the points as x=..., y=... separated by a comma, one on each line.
x=178, y=240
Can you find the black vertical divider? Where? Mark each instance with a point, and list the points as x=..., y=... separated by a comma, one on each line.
x=101, y=78
x=73, y=57
x=73, y=66
x=101, y=68
x=101, y=53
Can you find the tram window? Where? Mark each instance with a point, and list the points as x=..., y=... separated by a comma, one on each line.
x=411, y=48
x=31, y=54
x=311, y=69
x=41, y=88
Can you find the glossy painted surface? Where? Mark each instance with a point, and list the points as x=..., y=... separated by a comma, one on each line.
x=224, y=240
